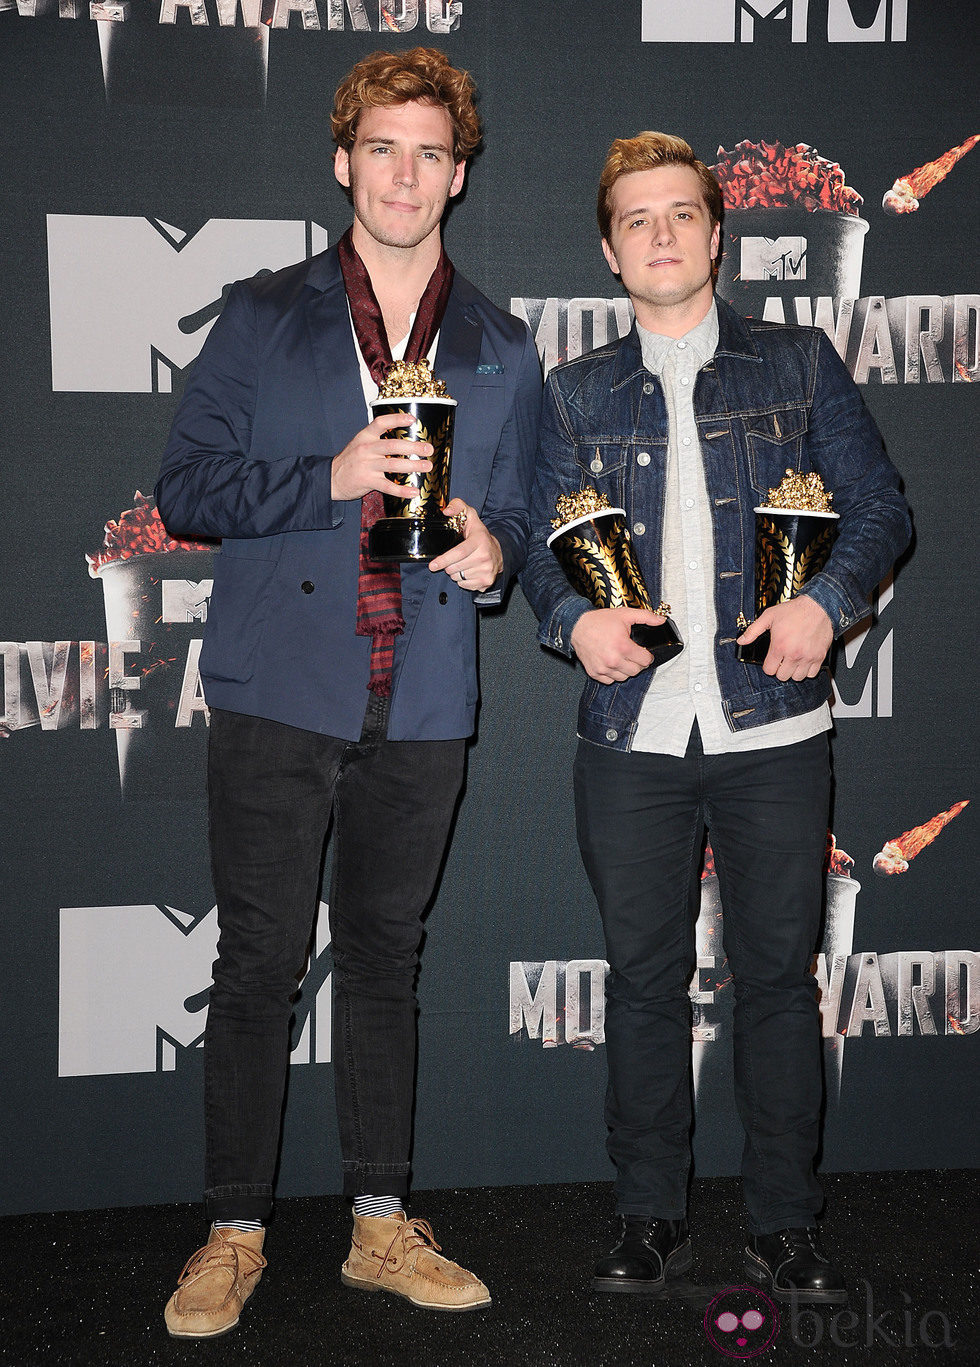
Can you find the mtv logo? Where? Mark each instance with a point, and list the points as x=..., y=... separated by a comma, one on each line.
x=865, y=668
x=719, y=21
x=133, y=990
x=773, y=258
x=132, y=299
x=888, y=24
x=736, y=21
x=185, y=600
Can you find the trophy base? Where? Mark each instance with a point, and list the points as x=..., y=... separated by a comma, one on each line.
x=755, y=652
x=407, y=539
x=662, y=642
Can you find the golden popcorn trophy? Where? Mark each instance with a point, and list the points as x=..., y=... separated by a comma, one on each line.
x=593, y=546
x=414, y=527
x=794, y=534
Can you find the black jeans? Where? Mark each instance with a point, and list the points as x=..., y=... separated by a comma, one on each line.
x=272, y=791
x=641, y=820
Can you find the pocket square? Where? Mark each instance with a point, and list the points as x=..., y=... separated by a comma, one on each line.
x=489, y=370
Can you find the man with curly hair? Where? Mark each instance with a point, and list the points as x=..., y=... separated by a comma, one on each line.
x=341, y=689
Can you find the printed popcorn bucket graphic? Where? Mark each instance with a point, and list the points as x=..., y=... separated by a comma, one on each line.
x=791, y=226
x=782, y=253
x=155, y=592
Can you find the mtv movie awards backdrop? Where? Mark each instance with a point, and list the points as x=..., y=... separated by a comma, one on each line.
x=156, y=151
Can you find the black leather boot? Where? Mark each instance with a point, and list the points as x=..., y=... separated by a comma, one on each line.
x=791, y=1266
x=648, y=1253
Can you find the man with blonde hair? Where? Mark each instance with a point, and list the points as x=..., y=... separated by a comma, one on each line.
x=341, y=689
x=686, y=423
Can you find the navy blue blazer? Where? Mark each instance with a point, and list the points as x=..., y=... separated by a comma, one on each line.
x=274, y=395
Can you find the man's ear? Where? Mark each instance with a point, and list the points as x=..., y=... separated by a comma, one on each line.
x=341, y=166
x=459, y=175
x=610, y=256
x=715, y=241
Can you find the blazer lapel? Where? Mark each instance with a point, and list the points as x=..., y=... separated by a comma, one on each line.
x=334, y=354
x=458, y=354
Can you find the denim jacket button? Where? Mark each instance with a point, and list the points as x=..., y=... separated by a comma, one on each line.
x=648, y=388
x=639, y=528
x=596, y=466
x=643, y=458
x=612, y=735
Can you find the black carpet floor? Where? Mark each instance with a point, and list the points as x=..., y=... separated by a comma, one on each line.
x=89, y=1287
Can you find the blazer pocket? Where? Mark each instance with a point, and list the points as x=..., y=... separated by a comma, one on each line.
x=241, y=601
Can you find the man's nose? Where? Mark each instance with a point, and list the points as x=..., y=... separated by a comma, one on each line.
x=663, y=230
x=406, y=172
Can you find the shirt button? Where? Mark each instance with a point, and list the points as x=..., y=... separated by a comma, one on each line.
x=307, y=586
x=698, y=626
x=643, y=458
x=596, y=466
x=612, y=735
x=648, y=388
x=697, y=688
x=685, y=379
x=444, y=598
x=689, y=503
x=692, y=564
x=639, y=528
x=681, y=346
x=686, y=441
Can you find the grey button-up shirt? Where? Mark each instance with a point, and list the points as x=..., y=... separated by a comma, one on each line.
x=687, y=688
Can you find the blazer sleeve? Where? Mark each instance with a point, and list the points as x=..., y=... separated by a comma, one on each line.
x=505, y=509
x=211, y=482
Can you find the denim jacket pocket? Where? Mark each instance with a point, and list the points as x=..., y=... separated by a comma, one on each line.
x=602, y=466
x=774, y=443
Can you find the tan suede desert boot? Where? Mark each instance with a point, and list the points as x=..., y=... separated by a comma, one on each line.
x=216, y=1282
x=392, y=1253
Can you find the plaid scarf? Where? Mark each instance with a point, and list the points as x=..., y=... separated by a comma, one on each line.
x=379, y=585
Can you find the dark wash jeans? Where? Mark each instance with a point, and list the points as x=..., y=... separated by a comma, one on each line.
x=641, y=820
x=273, y=790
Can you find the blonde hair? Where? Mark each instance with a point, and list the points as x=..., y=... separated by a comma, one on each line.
x=384, y=79
x=643, y=153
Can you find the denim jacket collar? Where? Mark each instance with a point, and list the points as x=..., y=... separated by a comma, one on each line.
x=734, y=339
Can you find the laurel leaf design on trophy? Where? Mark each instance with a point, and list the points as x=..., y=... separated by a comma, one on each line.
x=813, y=558
x=593, y=568
x=629, y=577
x=433, y=487
x=773, y=566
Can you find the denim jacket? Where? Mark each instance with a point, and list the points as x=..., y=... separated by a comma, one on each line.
x=773, y=398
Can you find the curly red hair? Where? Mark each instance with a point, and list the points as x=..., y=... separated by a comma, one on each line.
x=391, y=78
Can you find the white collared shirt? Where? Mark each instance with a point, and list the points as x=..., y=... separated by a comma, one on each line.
x=686, y=688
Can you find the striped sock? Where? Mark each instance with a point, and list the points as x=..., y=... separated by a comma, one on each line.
x=246, y=1226
x=378, y=1206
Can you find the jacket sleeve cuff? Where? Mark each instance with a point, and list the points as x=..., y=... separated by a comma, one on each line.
x=556, y=631
x=843, y=611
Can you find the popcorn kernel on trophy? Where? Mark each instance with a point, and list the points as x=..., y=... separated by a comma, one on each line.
x=794, y=534
x=593, y=547
x=414, y=527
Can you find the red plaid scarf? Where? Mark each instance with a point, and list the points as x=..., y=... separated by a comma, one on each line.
x=379, y=585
